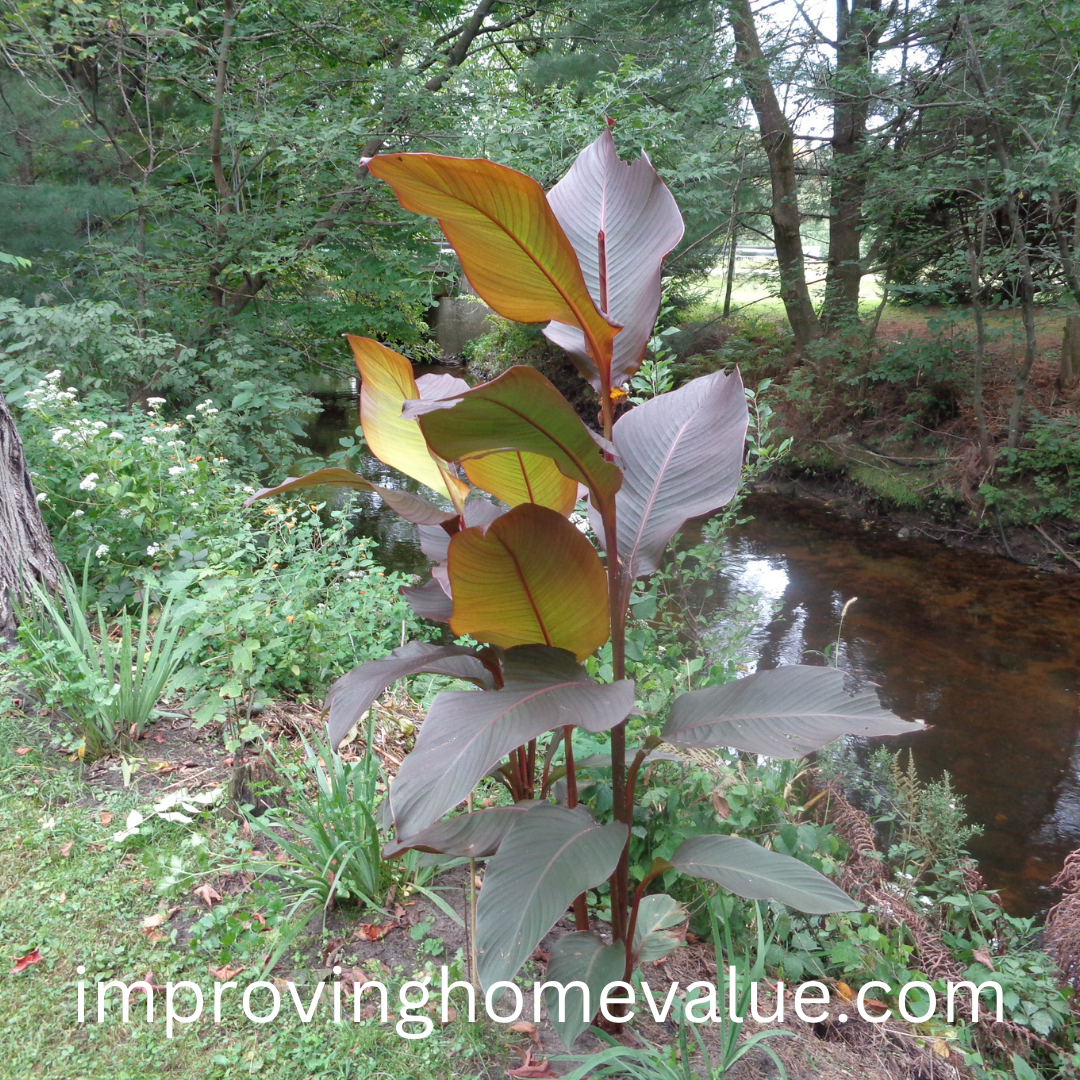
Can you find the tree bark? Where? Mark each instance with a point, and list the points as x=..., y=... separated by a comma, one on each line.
x=856, y=43
x=1069, y=371
x=779, y=145
x=25, y=544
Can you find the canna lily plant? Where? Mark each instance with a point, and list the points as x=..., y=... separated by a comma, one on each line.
x=510, y=459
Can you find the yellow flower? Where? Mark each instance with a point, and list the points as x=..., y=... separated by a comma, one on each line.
x=617, y=394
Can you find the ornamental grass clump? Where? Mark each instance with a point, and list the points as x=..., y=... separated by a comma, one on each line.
x=510, y=459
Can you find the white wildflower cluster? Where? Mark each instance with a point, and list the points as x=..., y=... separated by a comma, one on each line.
x=116, y=434
x=148, y=440
x=87, y=483
x=155, y=403
x=176, y=470
x=153, y=549
x=355, y=574
x=175, y=443
x=206, y=408
x=47, y=394
x=42, y=496
x=102, y=551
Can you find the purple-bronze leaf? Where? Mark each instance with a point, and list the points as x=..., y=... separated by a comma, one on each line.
x=622, y=221
x=551, y=855
x=352, y=695
x=468, y=836
x=466, y=732
x=411, y=507
x=783, y=713
x=430, y=600
x=681, y=456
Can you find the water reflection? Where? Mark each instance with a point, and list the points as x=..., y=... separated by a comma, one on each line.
x=985, y=652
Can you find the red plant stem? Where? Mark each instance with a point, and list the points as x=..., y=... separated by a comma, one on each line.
x=581, y=912
x=530, y=768
x=632, y=927
x=571, y=772
x=617, y=590
x=631, y=781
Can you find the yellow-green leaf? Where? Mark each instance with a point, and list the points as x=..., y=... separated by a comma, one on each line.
x=530, y=579
x=386, y=382
x=511, y=246
x=517, y=477
x=520, y=410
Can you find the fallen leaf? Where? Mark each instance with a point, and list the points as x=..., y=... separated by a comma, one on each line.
x=983, y=957
x=940, y=1048
x=159, y=739
x=352, y=978
x=371, y=932
x=720, y=805
x=65, y=849
x=148, y=981
x=152, y=922
x=523, y=1027
x=94, y=846
x=530, y=1067
x=23, y=962
x=154, y=936
x=329, y=953
x=20, y=750
x=207, y=894
x=224, y=974
x=846, y=993
x=106, y=817
x=260, y=919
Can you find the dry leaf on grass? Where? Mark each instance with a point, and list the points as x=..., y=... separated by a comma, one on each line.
x=23, y=962
x=65, y=849
x=530, y=1067
x=105, y=817
x=224, y=974
x=152, y=922
x=207, y=894
x=523, y=1027
x=20, y=750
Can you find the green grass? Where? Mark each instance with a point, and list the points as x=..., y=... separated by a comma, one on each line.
x=87, y=908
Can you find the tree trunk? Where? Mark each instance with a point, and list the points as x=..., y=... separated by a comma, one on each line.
x=24, y=540
x=854, y=45
x=1069, y=372
x=779, y=145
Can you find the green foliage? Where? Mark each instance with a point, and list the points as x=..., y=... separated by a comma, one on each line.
x=1041, y=478
x=106, y=688
x=115, y=357
x=330, y=833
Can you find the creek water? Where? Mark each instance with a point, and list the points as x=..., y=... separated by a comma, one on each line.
x=986, y=652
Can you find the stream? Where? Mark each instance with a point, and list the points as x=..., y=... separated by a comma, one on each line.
x=983, y=650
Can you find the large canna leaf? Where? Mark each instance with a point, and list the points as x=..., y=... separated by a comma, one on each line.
x=550, y=856
x=580, y=957
x=681, y=457
x=476, y=835
x=622, y=221
x=352, y=695
x=531, y=578
x=517, y=477
x=467, y=732
x=520, y=410
x=386, y=381
x=411, y=507
x=784, y=713
x=513, y=250
x=749, y=870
